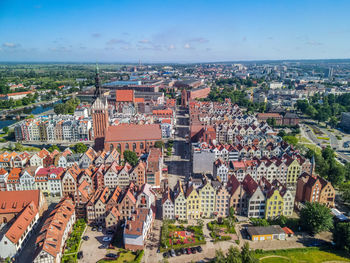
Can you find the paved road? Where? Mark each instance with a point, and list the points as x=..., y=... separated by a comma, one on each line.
x=179, y=163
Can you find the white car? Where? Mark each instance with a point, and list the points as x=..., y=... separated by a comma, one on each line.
x=106, y=239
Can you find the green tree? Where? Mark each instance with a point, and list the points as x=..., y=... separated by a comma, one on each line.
x=130, y=157
x=316, y=217
x=247, y=255
x=233, y=255
x=53, y=147
x=290, y=139
x=5, y=129
x=341, y=236
x=159, y=144
x=259, y=222
x=59, y=109
x=347, y=171
x=80, y=147
x=311, y=111
x=345, y=192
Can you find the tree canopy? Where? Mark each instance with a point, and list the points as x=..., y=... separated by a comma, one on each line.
x=80, y=147
x=315, y=218
x=130, y=157
x=341, y=236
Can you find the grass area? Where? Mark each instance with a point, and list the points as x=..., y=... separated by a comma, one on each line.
x=302, y=139
x=305, y=255
x=323, y=138
x=275, y=260
x=73, y=242
x=125, y=256
x=226, y=226
x=312, y=147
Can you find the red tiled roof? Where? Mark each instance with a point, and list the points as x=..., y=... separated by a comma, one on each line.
x=15, y=201
x=133, y=132
x=124, y=95
x=22, y=222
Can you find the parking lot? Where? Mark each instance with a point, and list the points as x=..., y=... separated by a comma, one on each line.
x=90, y=248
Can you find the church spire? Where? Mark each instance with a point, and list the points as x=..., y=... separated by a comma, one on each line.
x=98, y=92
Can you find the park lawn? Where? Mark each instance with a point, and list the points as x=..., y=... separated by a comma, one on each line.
x=303, y=139
x=275, y=260
x=124, y=256
x=312, y=147
x=307, y=255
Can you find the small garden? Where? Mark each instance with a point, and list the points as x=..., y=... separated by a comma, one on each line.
x=222, y=229
x=73, y=242
x=125, y=256
x=179, y=236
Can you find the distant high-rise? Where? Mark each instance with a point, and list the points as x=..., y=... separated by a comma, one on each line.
x=329, y=73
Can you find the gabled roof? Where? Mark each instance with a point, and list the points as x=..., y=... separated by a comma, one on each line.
x=15, y=201
x=249, y=184
x=22, y=222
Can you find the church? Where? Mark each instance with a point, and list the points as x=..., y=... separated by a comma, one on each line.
x=133, y=137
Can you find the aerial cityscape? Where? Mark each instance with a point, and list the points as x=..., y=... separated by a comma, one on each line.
x=163, y=132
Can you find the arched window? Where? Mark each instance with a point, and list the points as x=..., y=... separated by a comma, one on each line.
x=134, y=146
x=111, y=147
x=141, y=145
x=4, y=220
x=119, y=147
x=126, y=146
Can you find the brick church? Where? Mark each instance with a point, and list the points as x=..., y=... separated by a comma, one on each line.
x=137, y=138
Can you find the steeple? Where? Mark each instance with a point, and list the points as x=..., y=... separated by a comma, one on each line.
x=312, y=170
x=98, y=92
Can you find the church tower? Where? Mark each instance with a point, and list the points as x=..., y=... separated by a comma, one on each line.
x=99, y=112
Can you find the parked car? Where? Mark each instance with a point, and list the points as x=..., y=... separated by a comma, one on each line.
x=194, y=250
x=165, y=254
x=178, y=252
x=103, y=246
x=189, y=251
x=172, y=253
x=85, y=238
x=158, y=250
x=80, y=255
x=106, y=239
x=100, y=229
x=183, y=251
x=94, y=229
x=199, y=249
x=111, y=255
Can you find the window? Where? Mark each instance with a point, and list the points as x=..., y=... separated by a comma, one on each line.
x=126, y=146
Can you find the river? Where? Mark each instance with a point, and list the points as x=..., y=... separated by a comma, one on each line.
x=36, y=110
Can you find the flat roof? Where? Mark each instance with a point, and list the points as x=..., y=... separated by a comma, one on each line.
x=264, y=230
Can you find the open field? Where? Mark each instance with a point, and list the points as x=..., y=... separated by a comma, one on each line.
x=312, y=255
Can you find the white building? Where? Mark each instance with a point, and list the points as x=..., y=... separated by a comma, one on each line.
x=16, y=236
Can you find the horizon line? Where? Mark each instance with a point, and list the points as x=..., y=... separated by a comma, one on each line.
x=174, y=62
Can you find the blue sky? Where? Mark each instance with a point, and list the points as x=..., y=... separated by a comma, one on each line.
x=173, y=30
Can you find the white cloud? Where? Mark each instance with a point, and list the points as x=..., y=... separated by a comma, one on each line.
x=171, y=47
x=144, y=41
x=115, y=41
x=199, y=40
x=187, y=46
x=10, y=45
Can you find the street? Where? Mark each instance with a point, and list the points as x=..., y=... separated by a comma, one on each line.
x=179, y=163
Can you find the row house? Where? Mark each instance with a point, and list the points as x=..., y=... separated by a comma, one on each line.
x=48, y=180
x=69, y=181
x=54, y=128
x=54, y=233
x=20, y=231
x=313, y=188
x=137, y=229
